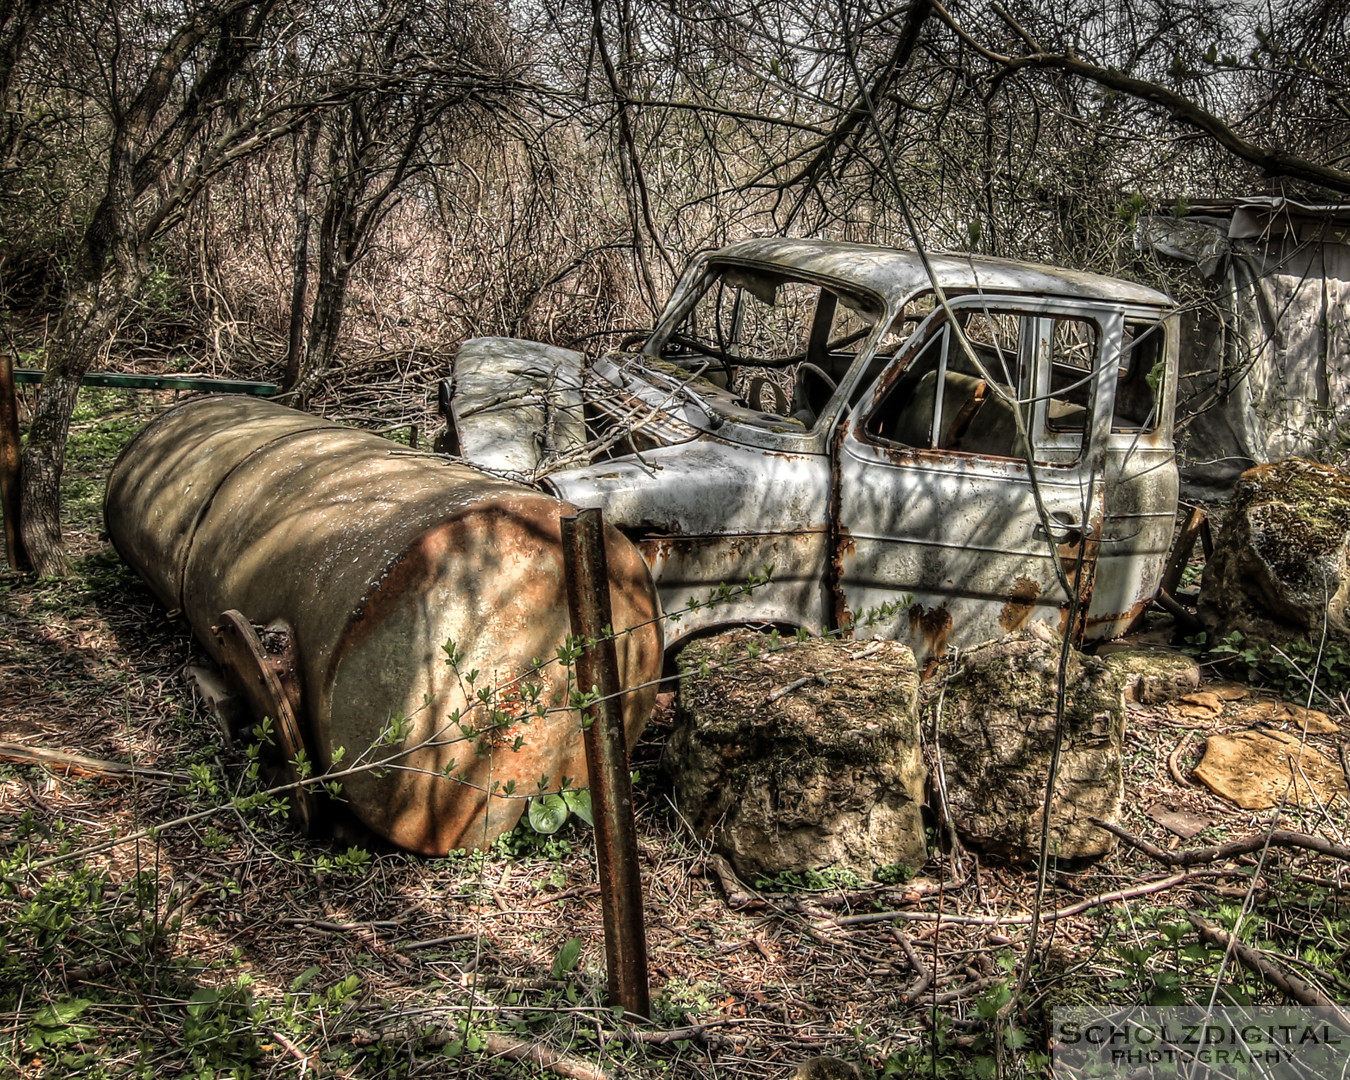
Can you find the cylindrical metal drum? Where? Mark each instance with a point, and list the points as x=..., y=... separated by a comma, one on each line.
x=382, y=561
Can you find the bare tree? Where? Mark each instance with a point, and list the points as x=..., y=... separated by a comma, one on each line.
x=549, y=157
x=174, y=114
x=1256, y=102
x=417, y=71
x=17, y=19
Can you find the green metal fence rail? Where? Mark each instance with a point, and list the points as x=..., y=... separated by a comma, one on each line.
x=159, y=382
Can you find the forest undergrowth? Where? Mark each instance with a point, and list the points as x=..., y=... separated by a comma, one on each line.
x=232, y=946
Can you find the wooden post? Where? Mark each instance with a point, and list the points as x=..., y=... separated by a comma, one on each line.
x=1181, y=554
x=587, y=572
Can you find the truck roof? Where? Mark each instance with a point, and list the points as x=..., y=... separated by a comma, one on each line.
x=897, y=274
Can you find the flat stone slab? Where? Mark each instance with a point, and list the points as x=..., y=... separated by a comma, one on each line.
x=1256, y=769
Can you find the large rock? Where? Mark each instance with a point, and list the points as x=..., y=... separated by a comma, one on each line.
x=802, y=757
x=1151, y=675
x=997, y=727
x=1280, y=561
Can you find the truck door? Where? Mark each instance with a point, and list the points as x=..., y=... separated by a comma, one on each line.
x=939, y=540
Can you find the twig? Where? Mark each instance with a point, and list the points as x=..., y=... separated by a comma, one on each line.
x=695, y=1031
x=1152, y=887
x=472, y=980
x=737, y=895
x=430, y=943
x=820, y=901
x=1255, y=960
x=1174, y=766
x=960, y=992
x=922, y=970
x=305, y=1060
x=1200, y=856
x=568, y=894
x=81, y=764
x=544, y=1057
x=347, y=928
x=797, y=684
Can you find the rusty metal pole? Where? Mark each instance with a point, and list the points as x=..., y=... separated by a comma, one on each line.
x=583, y=542
x=9, y=465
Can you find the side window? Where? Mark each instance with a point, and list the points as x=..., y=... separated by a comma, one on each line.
x=905, y=415
x=1066, y=378
x=1073, y=358
x=1139, y=382
x=995, y=337
x=1040, y=365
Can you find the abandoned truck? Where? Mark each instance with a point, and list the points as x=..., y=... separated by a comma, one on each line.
x=935, y=466
x=786, y=412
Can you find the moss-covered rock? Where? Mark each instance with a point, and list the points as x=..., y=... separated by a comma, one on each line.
x=995, y=714
x=1280, y=563
x=801, y=757
x=1153, y=675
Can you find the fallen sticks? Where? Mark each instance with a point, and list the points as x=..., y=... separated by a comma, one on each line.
x=1148, y=889
x=1256, y=961
x=1281, y=838
x=80, y=764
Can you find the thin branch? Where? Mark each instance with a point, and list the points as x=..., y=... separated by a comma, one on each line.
x=1201, y=856
x=1255, y=960
x=1272, y=161
x=1099, y=900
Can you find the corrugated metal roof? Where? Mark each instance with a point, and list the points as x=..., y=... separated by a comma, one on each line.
x=1257, y=216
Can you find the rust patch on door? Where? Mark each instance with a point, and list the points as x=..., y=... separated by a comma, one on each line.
x=932, y=625
x=1021, y=603
x=843, y=548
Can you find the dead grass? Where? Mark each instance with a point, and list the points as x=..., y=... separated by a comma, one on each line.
x=233, y=947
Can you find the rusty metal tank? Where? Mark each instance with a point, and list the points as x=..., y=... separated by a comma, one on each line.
x=376, y=558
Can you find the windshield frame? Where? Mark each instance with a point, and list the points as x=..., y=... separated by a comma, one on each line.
x=746, y=425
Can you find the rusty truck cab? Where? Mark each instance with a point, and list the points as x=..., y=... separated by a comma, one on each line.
x=935, y=465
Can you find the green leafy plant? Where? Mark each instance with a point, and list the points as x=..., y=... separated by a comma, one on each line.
x=567, y=959
x=1291, y=668
x=547, y=813
x=827, y=879
x=56, y=1025
x=894, y=873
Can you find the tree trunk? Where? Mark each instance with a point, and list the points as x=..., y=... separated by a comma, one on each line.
x=119, y=233
x=17, y=19
x=325, y=322
x=86, y=323
x=304, y=166
x=337, y=248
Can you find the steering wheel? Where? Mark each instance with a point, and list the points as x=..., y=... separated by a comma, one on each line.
x=802, y=398
x=766, y=396
x=704, y=349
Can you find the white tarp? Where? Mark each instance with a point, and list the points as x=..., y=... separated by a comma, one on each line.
x=1265, y=366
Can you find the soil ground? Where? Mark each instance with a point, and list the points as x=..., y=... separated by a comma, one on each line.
x=231, y=946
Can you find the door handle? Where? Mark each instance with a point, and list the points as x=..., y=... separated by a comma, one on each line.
x=1063, y=528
